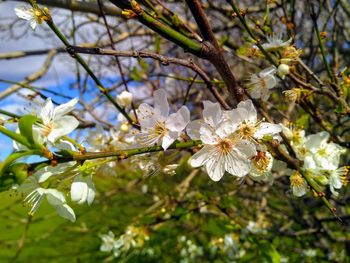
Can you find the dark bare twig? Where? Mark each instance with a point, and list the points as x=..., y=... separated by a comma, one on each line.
x=163, y=59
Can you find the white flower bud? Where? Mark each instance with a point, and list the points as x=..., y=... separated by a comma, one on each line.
x=124, y=99
x=282, y=70
x=125, y=127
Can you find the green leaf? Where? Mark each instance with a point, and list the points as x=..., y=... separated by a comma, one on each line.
x=15, y=136
x=14, y=174
x=269, y=253
x=25, y=125
x=12, y=158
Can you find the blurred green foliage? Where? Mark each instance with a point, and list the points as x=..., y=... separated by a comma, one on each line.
x=225, y=222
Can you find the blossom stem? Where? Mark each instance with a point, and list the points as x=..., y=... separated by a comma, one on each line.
x=314, y=186
x=123, y=154
x=9, y=114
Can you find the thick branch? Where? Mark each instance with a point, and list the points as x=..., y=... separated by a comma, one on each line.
x=216, y=56
x=80, y=6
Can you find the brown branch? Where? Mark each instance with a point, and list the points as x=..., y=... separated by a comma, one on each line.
x=80, y=6
x=163, y=59
x=120, y=38
x=215, y=56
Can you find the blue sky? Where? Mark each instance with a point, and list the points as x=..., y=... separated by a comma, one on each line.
x=59, y=77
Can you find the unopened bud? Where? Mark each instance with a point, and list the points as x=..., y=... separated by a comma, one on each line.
x=282, y=70
x=124, y=127
x=124, y=99
x=292, y=95
x=128, y=13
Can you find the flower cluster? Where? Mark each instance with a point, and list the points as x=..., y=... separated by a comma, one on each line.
x=190, y=251
x=321, y=160
x=259, y=85
x=133, y=238
x=233, y=141
x=50, y=181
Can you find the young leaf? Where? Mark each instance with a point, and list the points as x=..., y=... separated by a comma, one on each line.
x=25, y=125
x=12, y=158
x=15, y=136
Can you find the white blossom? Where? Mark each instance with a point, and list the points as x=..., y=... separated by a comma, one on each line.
x=260, y=84
x=55, y=120
x=108, y=242
x=275, y=42
x=157, y=126
x=298, y=184
x=223, y=150
x=262, y=164
x=337, y=178
x=83, y=189
x=35, y=195
x=249, y=128
x=321, y=154
x=97, y=138
x=33, y=15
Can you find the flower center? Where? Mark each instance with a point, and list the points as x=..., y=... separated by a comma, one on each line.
x=261, y=161
x=246, y=131
x=322, y=152
x=262, y=82
x=224, y=146
x=47, y=129
x=297, y=180
x=160, y=129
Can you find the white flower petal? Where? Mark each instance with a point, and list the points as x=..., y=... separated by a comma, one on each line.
x=192, y=129
x=208, y=135
x=83, y=189
x=47, y=111
x=268, y=71
x=54, y=197
x=33, y=24
x=79, y=190
x=65, y=145
x=226, y=128
x=215, y=168
x=63, y=126
x=237, y=164
x=65, y=108
x=212, y=113
x=24, y=13
x=161, y=105
x=91, y=190
x=270, y=81
x=300, y=190
x=266, y=128
x=169, y=138
x=179, y=120
x=46, y=172
x=200, y=157
x=245, y=147
x=314, y=141
x=250, y=112
x=66, y=212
